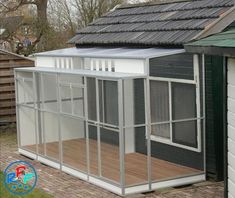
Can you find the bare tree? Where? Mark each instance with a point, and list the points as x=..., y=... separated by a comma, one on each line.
x=41, y=22
x=88, y=11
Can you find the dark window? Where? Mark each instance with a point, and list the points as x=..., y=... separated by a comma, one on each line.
x=178, y=66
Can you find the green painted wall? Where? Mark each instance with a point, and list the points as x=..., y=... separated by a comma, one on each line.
x=214, y=116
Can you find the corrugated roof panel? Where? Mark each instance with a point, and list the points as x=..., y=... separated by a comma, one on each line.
x=100, y=52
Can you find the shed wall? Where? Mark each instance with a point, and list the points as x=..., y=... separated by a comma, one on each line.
x=214, y=116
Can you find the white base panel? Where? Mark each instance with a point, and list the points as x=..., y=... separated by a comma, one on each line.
x=165, y=184
x=105, y=185
x=27, y=153
x=179, y=182
x=49, y=162
x=75, y=173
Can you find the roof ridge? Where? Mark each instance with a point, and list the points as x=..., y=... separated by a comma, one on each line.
x=152, y=3
x=170, y=10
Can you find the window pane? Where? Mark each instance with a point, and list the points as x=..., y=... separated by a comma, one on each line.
x=162, y=130
x=185, y=133
x=183, y=101
x=159, y=96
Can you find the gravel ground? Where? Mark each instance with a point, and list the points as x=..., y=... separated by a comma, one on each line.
x=62, y=185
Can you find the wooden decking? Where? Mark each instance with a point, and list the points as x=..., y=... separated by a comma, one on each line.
x=74, y=155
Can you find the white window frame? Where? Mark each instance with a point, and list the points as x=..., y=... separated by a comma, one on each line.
x=198, y=118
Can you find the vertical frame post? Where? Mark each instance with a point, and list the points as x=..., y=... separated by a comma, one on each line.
x=87, y=129
x=198, y=98
x=17, y=109
x=59, y=120
x=35, y=113
x=98, y=125
x=204, y=110
x=148, y=129
x=121, y=136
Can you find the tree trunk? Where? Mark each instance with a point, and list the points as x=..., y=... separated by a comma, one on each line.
x=42, y=24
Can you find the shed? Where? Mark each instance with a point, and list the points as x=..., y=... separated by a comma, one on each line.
x=9, y=61
x=129, y=98
x=223, y=44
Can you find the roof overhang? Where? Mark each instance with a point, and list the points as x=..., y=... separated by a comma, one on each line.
x=81, y=72
x=211, y=50
x=222, y=44
x=102, y=52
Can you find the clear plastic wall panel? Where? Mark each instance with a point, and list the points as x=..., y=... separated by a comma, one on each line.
x=174, y=131
x=136, y=160
x=21, y=74
x=110, y=155
x=108, y=102
x=49, y=92
x=184, y=107
x=93, y=150
x=25, y=91
x=51, y=132
x=129, y=103
x=185, y=133
x=91, y=99
x=159, y=101
x=78, y=101
x=71, y=78
x=41, y=135
x=139, y=101
x=65, y=99
x=74, y=142
x=27, y=128
x=178, y=66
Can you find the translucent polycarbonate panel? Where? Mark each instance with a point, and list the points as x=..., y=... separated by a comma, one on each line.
x=70, y=78
x=159, y=101
x=129, y=103
x=51, y=132
x=161, y=130
x=91, y=98
x=49, y=92
x=26, y=92
x=41, y=136
x=139, y=100
x=108, y=101
x=73, y=136
x=93, y=149
x=135, y=156
x=27, y=128
x=65, y=99
x=185, y=133
x=171, y=160
x=110, y=155
x=183, y=101
x=78, y=101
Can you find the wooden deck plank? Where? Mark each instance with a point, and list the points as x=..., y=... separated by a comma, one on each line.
x=74, y=155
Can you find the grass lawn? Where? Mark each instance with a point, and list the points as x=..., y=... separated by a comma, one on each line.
x=4, y=193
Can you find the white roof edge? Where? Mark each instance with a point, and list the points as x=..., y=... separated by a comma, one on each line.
x=88, y=73
x=121, y=52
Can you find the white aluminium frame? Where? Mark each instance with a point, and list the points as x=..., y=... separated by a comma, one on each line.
x=198, y=118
